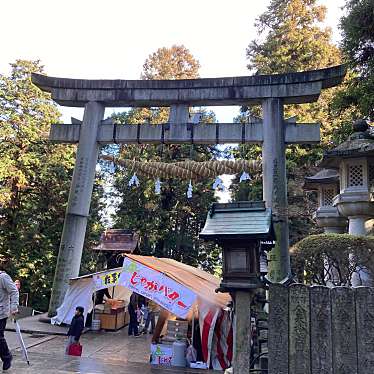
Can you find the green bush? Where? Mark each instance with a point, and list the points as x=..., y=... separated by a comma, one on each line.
x=326, y=258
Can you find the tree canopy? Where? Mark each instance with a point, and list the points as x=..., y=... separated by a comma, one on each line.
x=358, y=46
x=34, y=183
x=175, y=62
x=291, y=37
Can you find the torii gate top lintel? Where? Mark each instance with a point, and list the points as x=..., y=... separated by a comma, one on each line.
x=294, y=88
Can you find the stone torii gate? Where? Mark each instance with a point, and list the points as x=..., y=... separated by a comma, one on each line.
x=270, y=91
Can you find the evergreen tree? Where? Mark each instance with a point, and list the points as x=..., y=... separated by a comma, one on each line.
x=291, y=38
x=34, y=182
x=358, y=45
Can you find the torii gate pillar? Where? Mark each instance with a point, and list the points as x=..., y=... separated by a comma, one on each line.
x=274, y=184
x=77, y=211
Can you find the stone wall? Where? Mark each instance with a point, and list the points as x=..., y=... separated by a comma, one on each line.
x=321, y=330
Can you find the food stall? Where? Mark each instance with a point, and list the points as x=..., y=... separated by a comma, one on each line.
x=190, y=308
x=186, y=294
x=111, y=312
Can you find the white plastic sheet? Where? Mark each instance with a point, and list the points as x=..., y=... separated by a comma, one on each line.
x=79, y=293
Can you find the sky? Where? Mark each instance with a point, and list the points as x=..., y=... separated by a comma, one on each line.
x=111, y=39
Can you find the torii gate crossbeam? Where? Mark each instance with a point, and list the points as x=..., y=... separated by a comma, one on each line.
x=271, y=91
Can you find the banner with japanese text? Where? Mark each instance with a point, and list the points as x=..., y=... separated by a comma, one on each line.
x=156, y=286
x=108, y=279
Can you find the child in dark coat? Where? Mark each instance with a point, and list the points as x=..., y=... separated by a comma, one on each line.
x=76, y=328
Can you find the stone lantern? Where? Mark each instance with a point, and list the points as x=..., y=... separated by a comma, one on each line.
x=354, y=159
x=326, y=183
x=239, y=229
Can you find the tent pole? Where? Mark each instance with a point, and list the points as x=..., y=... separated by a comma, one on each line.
x=193, y=327
x=93, y=307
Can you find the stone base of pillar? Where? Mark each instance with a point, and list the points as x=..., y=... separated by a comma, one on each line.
x=69, y=258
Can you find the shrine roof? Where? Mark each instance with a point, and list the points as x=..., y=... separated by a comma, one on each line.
x=240, y=220
x=117, y=240
x=298, y=87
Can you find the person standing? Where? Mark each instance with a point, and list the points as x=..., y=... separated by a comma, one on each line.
x=153, y=309
x=97, y=299
x=76, y=328
x=133, y=325
x=9, y=301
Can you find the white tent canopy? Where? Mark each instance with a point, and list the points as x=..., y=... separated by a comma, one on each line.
x=81, y=290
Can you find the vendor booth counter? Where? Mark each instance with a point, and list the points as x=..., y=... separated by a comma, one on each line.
x=113, y=315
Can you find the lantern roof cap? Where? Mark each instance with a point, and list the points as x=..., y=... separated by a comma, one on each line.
x=240, y=220
x=359, y=144
x=324, y=176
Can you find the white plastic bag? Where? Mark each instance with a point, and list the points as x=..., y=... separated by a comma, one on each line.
x=191, y=354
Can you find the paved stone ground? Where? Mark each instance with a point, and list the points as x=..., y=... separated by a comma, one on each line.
x=29, y=339
x=104, y=352
x=45, y=364
x=32, y=324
